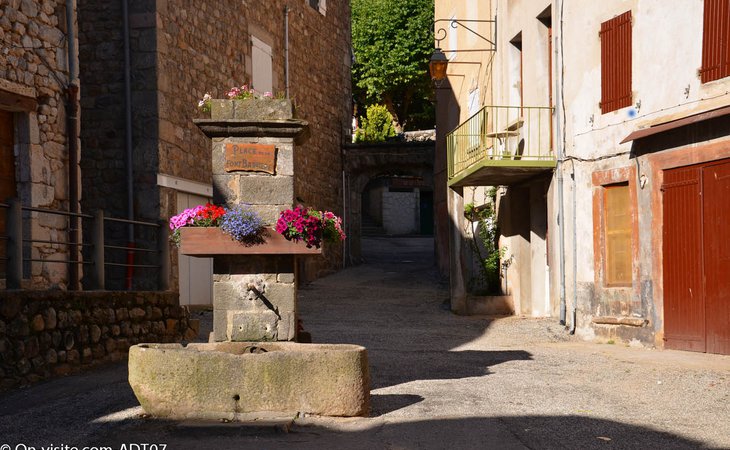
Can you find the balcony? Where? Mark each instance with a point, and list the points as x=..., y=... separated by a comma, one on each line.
x=500, y=146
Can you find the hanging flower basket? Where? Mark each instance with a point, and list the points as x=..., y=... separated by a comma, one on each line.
x=211, y=241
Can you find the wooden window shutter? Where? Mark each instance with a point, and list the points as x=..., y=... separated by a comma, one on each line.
x=716, y=41
x=615, y=37
x=617, y=229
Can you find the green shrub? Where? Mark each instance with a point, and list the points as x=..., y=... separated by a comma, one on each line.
x=377, y=126
x=485, y=236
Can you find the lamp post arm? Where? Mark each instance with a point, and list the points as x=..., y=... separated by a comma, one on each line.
x=455, y=23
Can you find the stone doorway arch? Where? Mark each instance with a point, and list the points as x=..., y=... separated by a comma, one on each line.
x=402, y=164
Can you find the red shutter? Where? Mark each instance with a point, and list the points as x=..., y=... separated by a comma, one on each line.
x=716, y=41
x=616, y=63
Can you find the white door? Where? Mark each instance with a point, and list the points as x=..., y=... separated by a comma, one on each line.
x=262, y=66
x=196, y=274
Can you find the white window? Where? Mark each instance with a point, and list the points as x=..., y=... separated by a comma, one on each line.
x=262, y=73
x=319, y=5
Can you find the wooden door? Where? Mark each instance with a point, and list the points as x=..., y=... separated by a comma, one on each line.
x=7, y=175
x=696, y=243
x=716, y=195
x=684, y=308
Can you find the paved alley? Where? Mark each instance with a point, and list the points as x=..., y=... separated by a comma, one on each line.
x=438, y=381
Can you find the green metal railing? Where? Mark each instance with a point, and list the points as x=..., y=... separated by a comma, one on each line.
x=503, y=136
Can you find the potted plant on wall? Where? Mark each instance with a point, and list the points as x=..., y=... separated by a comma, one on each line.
x=310, y=226
x=207, y=230
x=244, y=103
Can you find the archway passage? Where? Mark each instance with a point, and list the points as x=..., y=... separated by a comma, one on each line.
x=388, y=191
x=397, y=205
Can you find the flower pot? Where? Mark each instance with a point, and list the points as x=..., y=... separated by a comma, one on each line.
x=211, y=241
x=253, y=109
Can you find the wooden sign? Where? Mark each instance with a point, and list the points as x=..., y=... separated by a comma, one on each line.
x=250, y=158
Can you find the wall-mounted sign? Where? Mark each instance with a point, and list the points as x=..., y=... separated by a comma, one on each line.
x=250, y=158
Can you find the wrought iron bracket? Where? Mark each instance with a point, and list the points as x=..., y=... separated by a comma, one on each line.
x=455, y=23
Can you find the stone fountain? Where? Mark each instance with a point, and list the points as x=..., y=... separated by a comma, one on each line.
x=252, y=363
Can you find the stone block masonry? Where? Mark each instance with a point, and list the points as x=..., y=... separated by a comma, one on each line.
x=254, y=298
x=400, y=212
x=33, y=82
x=53, y=333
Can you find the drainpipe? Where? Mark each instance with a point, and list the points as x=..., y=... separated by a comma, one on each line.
x=286, y=50
x=72, y=127
x=559, y=169
x=128, y=142
x=71, y=40
x=575, y=254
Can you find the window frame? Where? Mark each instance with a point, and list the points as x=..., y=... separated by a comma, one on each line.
x=608, y=232
x=601, y=181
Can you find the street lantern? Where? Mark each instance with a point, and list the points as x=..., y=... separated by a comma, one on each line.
x=437, y=65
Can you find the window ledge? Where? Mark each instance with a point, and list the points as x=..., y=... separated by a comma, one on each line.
x=621, y=320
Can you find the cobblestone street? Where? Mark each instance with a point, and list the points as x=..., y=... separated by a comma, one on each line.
x=438, y=381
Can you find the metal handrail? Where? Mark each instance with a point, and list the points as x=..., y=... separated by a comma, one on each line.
x=130, y=249
x=131, y=222
x=56, y=212
x=148, y=266
x=14, y=242
x=41, y=241
x=501, y=133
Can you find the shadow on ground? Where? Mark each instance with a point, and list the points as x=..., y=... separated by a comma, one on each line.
x=394, y=305
x=514, y=432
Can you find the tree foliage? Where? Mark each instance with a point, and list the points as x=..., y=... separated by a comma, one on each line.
x=393, y=41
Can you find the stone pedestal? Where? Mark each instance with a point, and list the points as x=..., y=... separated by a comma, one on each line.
x=253, y=163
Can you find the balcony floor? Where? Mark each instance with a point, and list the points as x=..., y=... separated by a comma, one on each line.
x=501, y=172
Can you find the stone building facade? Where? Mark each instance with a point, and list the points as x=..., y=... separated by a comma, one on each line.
x=34, y=144
x=615, y=222
x=181, y=49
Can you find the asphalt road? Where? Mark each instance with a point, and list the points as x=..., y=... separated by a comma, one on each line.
x=440, y=381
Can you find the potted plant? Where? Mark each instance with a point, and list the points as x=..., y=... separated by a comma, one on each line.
x=208, y=230
x=244, y=103
x=310, y=226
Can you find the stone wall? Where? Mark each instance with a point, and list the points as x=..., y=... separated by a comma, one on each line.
x=46, y=334
x=401, y=212
x=320, y=86
x=240, y=313
x=103, y=134
x=33, y=80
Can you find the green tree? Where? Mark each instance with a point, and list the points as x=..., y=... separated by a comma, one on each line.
x=393, y=41
x=377, y=126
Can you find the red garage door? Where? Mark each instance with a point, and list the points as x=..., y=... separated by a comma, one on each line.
x=696, y=237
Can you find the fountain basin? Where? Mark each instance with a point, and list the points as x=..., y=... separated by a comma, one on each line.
x=222, y=380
